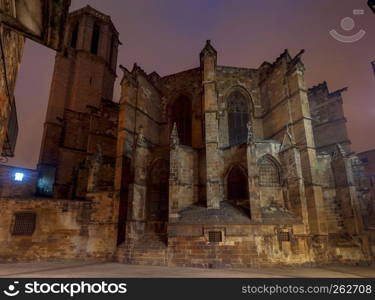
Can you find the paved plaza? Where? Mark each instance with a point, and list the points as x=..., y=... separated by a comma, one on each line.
x=116, y=270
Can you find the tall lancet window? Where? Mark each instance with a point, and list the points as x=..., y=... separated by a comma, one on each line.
x=74, y=40
x=112, y=51
x=95, y=39
x=180, y=112
x=238, y=117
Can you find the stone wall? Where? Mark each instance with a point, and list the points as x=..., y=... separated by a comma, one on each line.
x=254, y=246
x=332, y=204
x=143, y=111
x=183, y=180
x=347, y=193
x=64, y=229
x=241, y=246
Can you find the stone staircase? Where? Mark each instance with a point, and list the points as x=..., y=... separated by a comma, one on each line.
x=148, y=250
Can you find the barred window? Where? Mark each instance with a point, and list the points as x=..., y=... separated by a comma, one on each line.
x=238, y=117
x=215, y=236
x=284, y=236
x=268, y=173
x=24, y=223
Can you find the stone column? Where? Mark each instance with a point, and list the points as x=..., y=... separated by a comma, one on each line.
x=129, y=88
x=129, y=92
x=173, y=175
x=85, y=34
x=293, y=179
x=138, y=189
x=346, y=191
x=254, y=195
x=105, y=41
x=208, y=58
x=302, y=133
x=94, y=170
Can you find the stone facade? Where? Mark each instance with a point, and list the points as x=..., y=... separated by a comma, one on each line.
x=10, y=57
x=211, y=167
x=329, y=122
x=64, y=229
x=249, y=180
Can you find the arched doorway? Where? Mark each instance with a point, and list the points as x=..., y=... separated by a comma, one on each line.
x=180, y=112
x=157, y=198
x=238, y=188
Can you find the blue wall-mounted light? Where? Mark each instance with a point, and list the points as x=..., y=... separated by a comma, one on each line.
x=18, y=176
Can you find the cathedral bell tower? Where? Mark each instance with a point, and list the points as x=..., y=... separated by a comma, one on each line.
x=84, y=77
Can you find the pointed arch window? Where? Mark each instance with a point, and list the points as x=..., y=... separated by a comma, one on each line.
x=269, y=174
x=112, y=50
x=238, y=118
x=74, y=40
x=181, y=114
x=95, y=39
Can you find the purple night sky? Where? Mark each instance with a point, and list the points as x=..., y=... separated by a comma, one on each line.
x=167, y=35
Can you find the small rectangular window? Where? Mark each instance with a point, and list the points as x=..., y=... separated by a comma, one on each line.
x=24, y=223
x=215, y=236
